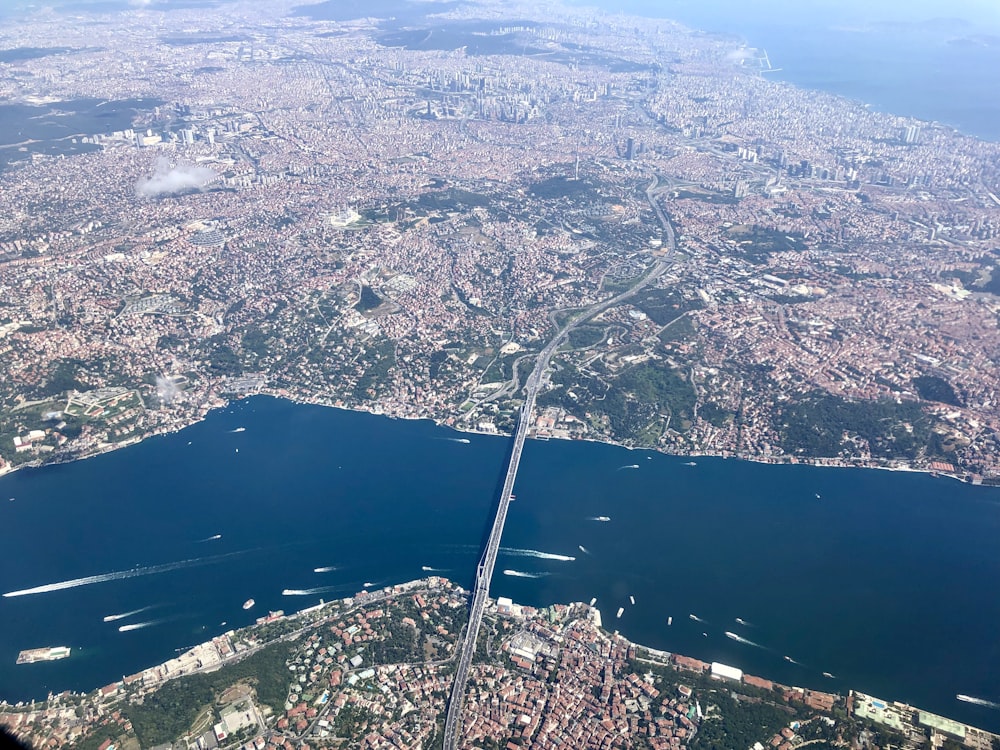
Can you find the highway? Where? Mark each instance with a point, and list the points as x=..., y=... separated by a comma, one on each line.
x=484, y=571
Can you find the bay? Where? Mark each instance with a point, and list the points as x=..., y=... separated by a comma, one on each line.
x=928, y=59
x=886, y=579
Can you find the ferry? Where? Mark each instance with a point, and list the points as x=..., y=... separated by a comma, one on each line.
x=248, y=603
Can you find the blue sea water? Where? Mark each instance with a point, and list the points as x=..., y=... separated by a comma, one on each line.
x=929, y=59
x=886, y=580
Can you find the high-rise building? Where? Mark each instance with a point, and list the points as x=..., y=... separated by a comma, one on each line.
x=912, y=133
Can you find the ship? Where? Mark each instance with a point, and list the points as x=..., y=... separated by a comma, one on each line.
x=31, y=655
x=620, y=610
x=248, y=603
x=632, y=599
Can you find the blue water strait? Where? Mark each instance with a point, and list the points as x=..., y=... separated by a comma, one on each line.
x=886, y=580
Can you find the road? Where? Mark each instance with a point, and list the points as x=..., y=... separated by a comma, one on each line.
x=484, y=571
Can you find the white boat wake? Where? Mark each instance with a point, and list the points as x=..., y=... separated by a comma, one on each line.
x=210, y=538
x=696, y=618
x=138, y=626
x=745, y=641
x=790, y=660
x=123, y=615
x=603, y=519
x=239, y=429
x=977, y=701
x=583, y=549
x=535, y=553
x=325, y=569
x=744, y=623
x=628, y=466
x=429, y=569
x=121, y=575
x=308, y=592
x=521, y=574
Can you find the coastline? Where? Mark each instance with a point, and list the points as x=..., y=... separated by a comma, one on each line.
x=449, y=423
x=294, y=624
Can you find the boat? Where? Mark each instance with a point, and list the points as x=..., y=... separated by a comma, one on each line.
x=827, y=674
x=740, y=621
x=603, y=518
x=248, y=603
x=632, y=599
x=690, y=463
x=367, y=584
x=593, y=601
x=670, y=621
x=31, y=655
x=817, y=496
x=620, y=610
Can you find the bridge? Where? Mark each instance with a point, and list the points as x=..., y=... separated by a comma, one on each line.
x=484, y=571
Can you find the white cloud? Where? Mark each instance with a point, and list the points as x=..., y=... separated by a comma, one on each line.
x=166, y=180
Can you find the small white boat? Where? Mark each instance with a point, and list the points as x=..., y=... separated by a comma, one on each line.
x=248, y=603
x=620, y=610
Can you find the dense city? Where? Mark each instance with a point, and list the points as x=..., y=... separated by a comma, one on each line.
x=494, y=215
x=373, y=671
x=394, y=215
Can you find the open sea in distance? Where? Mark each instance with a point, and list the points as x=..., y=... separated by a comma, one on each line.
x=886, y=580
x=929, y=59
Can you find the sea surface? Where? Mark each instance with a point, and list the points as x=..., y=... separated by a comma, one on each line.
x=933, y=60
x=885, y=579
